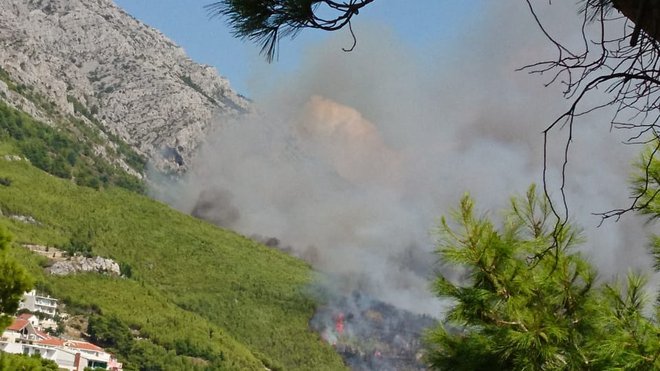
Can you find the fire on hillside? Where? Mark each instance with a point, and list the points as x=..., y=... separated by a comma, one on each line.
x=372, y=335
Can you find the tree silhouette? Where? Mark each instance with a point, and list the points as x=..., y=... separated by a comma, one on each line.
x=267, y=21
x=622, y=62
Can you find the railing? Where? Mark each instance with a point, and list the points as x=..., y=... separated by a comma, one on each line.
x=47, y=303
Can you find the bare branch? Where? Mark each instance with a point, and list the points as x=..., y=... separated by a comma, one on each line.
x=630, y=75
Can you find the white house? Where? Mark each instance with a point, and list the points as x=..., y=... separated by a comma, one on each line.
x=22, y=337
x=85, y=354
x=38, y=303
x=23, y=328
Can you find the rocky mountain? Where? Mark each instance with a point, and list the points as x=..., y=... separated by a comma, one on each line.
x=90, y=59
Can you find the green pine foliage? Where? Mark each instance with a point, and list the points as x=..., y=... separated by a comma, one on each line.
x=646, y=187
x=629, y=339
x=14, y=281
x=19, y=362
x=515, y=311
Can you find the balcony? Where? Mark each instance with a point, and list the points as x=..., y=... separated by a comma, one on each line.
x=46, y=303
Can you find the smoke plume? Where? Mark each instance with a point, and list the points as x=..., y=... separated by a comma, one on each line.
x=352, y=159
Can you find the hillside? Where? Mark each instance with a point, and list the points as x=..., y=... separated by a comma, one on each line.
x=199, y=296
x=190, y=281
x=92, y=59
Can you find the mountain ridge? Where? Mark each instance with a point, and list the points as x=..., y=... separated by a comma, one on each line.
x=91, y=56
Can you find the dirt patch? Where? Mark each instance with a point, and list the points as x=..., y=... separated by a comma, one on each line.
x=47, y=251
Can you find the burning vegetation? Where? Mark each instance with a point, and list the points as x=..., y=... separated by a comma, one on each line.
x=372, y=335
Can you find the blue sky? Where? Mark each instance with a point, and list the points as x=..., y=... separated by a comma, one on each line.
x=427, y=25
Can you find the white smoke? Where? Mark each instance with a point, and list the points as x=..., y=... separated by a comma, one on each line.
x=353, y=158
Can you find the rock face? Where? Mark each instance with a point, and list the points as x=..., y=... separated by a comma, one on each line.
x=133, y=80
x=82, y=264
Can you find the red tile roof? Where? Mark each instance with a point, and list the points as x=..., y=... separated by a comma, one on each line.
x=18, y=325
x=52, y=341
x=83, y=345
x=25, y=316
x=42, y=334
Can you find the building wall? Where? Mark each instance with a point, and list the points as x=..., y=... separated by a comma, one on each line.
x=65, y=356
x=63, y=359
x=37, y=303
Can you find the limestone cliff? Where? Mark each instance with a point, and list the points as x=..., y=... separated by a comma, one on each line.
x=93, y=60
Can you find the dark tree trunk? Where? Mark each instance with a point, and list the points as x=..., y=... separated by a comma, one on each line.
x=644, y=13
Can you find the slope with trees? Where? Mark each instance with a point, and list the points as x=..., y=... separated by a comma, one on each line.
x=199, y=297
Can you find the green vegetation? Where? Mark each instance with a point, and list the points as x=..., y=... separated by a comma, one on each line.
x=131, y=157
x=188, y=81
x=14, y=281
x=113, y=334
x=15, y=362
x=46, y=105
x=79, y=107
x=4, y=76
x=528, y=301
x=516, y=312
x=80, y=243
x=60, y=153
x=198, y=296
x=191, y=296
x=71, y=150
